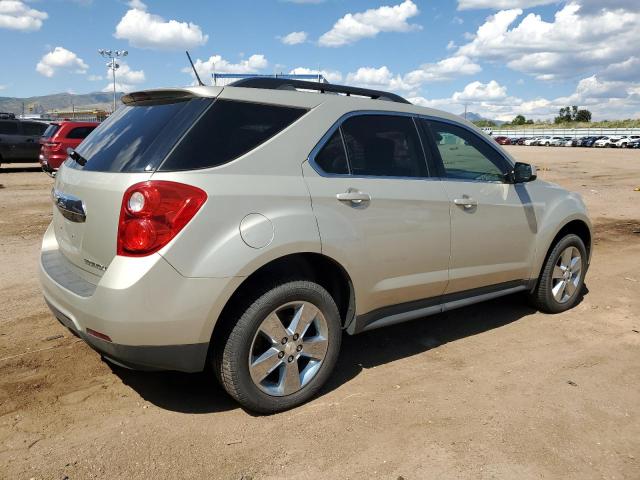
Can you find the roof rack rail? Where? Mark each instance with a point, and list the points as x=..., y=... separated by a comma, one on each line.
x=270, y=83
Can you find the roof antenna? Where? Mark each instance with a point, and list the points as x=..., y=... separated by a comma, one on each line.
x=194, y=69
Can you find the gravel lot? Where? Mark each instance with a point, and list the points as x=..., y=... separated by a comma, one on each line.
x=496, y=390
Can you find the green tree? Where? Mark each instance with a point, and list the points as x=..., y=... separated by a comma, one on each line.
x=583, y=115
x=519, y=120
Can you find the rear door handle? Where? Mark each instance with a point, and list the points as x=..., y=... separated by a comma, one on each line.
x=354, y=197
x=466, y=202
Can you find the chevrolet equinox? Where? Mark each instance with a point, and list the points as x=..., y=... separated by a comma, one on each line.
x=243, y=228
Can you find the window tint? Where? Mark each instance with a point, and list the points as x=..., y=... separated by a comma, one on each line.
x=332, y=157
x=33, y=129
x=228, y=130
x=51, y=130
x=80, y=132
x=9, y=128
x=465, y=155
x=137, y=139
x=384, y=145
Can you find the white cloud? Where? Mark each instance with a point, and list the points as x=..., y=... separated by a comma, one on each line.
x=3, y=87
x=145, y=30
x=16, y=15
x=378, y=78
x=445, y=69
x=332, y=76
x=94, y=78
x=501, y=4
x=126, y=78
x=294, y=38
x=137, y=4
x=571, y=45
x=60, y=58
x=356, y=26
x=217, y=64
x=478, y=91
x=605, y=99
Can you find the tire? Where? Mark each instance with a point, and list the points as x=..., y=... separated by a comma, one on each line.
x=246, y=339
x=548, y=295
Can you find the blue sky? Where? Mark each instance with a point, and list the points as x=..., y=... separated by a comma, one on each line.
x=501, y=57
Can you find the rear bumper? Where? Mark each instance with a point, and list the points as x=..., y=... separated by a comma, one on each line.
x=184, y=358
x=155, y=317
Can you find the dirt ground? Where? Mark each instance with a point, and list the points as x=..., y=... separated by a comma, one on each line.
x=496, y=390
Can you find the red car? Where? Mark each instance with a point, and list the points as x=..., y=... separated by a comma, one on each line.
x=503, y=140
x=60, y=136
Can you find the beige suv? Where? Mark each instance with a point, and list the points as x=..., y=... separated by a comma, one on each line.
x=246, y=227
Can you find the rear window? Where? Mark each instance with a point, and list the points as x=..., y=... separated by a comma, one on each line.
x=33, y=129
x=228, y=130
x=144, y=138
x=138, y=139
x=51, y=130
x=9, y=128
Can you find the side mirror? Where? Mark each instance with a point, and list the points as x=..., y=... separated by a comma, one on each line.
x=523, y=172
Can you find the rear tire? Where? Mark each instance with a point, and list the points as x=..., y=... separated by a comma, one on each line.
x=562, y=278
x=268, y=361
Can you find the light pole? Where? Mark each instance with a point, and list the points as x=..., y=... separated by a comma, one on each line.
x=113, y=65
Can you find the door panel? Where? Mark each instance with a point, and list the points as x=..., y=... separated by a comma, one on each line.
x=493, y=223
x=395, y=246
x=492, y=242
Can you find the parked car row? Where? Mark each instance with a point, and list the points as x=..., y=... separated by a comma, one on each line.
x=30, y=141
x=620, y=141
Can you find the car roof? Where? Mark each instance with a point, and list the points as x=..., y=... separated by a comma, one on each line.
x=294, y=98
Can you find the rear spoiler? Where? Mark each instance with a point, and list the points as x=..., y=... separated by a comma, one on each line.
x=165, y=96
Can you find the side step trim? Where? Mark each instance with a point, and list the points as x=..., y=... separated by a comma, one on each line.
x=413, y=310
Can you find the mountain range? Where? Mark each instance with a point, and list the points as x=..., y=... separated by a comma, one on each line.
x=59, y=102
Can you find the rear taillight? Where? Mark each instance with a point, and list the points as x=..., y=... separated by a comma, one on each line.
x=52, y=145
x=153, y=212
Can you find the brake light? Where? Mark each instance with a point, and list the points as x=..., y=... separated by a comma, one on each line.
x=52, y=144
x=153, y=212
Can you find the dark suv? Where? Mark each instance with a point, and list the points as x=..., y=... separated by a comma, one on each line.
x=19, y=139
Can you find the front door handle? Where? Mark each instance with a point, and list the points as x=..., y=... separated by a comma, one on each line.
x=355, y=197
x=466, y=202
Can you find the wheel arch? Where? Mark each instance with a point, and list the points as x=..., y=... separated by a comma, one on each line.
x=317, y=267
x=577, y=226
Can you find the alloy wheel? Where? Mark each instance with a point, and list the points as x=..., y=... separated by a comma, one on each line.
x=566, y=275
x=288, y=348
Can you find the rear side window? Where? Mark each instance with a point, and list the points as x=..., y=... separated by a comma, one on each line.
x=228, y=130
x=50, y=131
x=80, y=132
x=384, y=146
x=33, y=129
x=332, y=157
x=9, y=128
x=138, y=139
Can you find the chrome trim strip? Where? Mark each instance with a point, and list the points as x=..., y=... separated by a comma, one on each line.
x=71, y=207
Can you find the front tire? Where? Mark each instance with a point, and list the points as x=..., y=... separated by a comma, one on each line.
x=282, y=349
x=562, y=278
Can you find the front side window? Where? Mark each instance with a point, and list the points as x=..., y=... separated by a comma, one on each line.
x=384, y=146
x=466, y=156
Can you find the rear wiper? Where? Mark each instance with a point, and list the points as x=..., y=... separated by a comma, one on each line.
x=75, y=156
